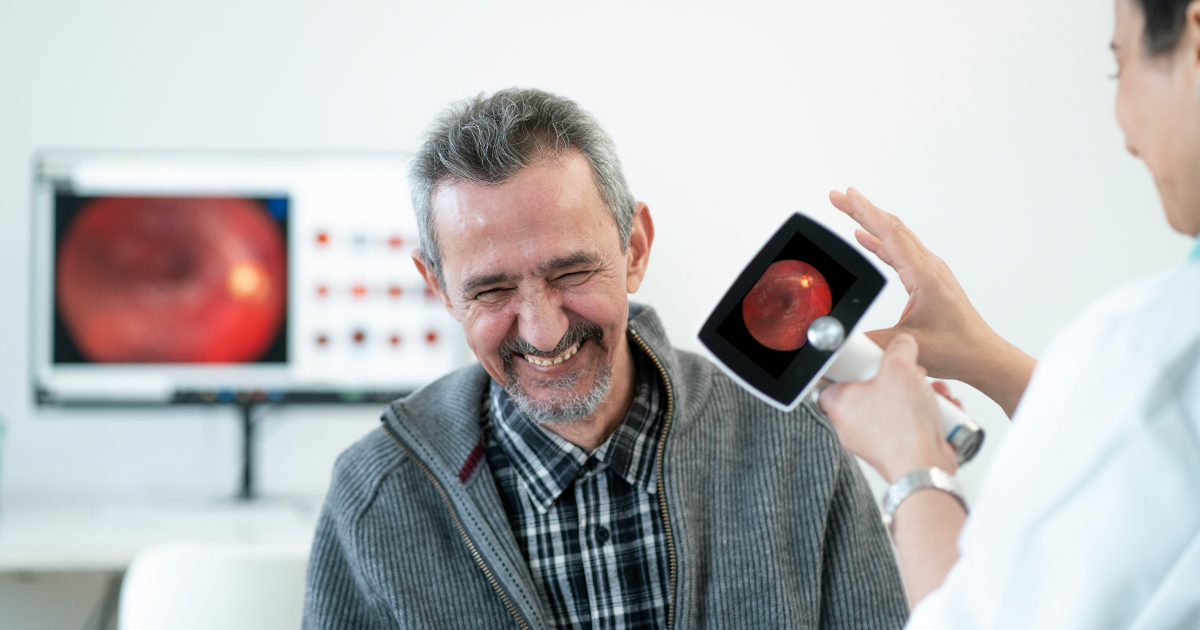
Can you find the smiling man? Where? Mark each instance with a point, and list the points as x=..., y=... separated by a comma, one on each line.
x=584, y=474
x=537, y=271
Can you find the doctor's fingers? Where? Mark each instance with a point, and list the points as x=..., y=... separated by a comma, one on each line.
x=850, y=424
x=943, y=390
x=851, y=405
x=886, y=236
x=860, y=414
x=900, y=355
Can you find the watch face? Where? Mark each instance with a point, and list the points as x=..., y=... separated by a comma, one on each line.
x=758, y=331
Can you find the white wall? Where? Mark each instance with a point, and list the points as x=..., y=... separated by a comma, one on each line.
x=987, y=126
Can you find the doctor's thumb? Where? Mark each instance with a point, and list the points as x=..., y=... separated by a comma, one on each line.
x=831, y=398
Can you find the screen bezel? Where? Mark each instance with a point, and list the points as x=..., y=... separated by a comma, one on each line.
x=809, y=362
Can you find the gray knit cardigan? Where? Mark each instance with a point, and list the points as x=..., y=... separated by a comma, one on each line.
x=770, y=523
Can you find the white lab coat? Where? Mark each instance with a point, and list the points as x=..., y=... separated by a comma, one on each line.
x=1089, y=516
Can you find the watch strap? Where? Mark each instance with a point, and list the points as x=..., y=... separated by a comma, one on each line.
x=904, y=487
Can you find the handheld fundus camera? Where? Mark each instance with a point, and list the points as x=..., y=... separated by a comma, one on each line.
x=789, y=319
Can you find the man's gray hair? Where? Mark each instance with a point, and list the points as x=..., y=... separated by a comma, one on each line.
x=488, y=140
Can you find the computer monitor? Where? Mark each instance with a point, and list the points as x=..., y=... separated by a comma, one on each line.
x=230, y=277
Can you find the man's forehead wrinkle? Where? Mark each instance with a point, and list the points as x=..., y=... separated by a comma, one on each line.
x=542, y=220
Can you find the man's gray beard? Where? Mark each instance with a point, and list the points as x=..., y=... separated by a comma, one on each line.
x=564, y=406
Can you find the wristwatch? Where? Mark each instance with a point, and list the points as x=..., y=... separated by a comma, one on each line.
x=903, y=487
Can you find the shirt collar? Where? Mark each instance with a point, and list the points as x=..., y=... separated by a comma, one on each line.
x=547, y=464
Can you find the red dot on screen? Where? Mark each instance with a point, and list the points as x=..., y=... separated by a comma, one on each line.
x=431, y=337
x=395, y=242
x=322, y=339
x=395, y=291
x=394, y=340
x=322, y=290
x=322, y=238
x=359, y=290
x=359, y=336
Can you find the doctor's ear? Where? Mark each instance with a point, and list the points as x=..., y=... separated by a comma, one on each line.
x=1188, y=45
x=637, y=256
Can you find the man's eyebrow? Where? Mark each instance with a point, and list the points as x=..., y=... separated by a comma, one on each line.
x=570, y=260
x=480, y=281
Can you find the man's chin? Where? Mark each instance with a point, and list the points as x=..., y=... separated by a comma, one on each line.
x=559, y=403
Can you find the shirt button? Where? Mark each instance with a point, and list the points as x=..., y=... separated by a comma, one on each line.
x=602, y=534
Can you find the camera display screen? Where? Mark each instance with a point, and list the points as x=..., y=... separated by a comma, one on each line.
x=758, y=332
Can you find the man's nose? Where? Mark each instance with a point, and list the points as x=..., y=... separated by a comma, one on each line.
x=541, y=320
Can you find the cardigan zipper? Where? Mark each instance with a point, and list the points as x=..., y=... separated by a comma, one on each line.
x=672, y=561
x=487, y=573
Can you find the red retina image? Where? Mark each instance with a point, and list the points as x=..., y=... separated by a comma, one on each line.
x=172, y=280
x=784, y=301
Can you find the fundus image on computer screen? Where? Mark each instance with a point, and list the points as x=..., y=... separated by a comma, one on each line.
x=170, y=279
x=770, y=325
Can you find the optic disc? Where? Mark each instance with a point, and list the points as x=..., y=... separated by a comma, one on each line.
x=784, y=302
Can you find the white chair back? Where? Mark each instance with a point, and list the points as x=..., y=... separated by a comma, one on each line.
x=205, y=586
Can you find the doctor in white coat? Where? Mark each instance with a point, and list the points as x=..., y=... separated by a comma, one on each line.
x=1089, y=516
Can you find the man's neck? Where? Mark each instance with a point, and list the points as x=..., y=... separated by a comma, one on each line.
x=589, y=433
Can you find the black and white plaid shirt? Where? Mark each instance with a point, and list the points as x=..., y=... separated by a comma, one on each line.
x=588, y=523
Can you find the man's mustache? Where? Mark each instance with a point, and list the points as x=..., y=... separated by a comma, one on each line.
x=575, y=333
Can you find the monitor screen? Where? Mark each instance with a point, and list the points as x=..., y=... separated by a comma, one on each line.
x=170, y=279
x=197, y=277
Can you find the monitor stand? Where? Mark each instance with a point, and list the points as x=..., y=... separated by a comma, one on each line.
x=247, y=492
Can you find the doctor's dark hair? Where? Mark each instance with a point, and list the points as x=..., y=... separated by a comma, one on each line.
x=489, y=140
x=1164, y=24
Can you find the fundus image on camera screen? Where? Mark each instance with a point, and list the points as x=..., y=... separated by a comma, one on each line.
x=170, y=279
x=770, y=324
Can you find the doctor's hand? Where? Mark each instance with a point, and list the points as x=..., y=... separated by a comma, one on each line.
x=891, y=421
x=954, y=339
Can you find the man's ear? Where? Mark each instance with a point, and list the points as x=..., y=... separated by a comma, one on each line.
x=641, y=237
x=431, y=281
